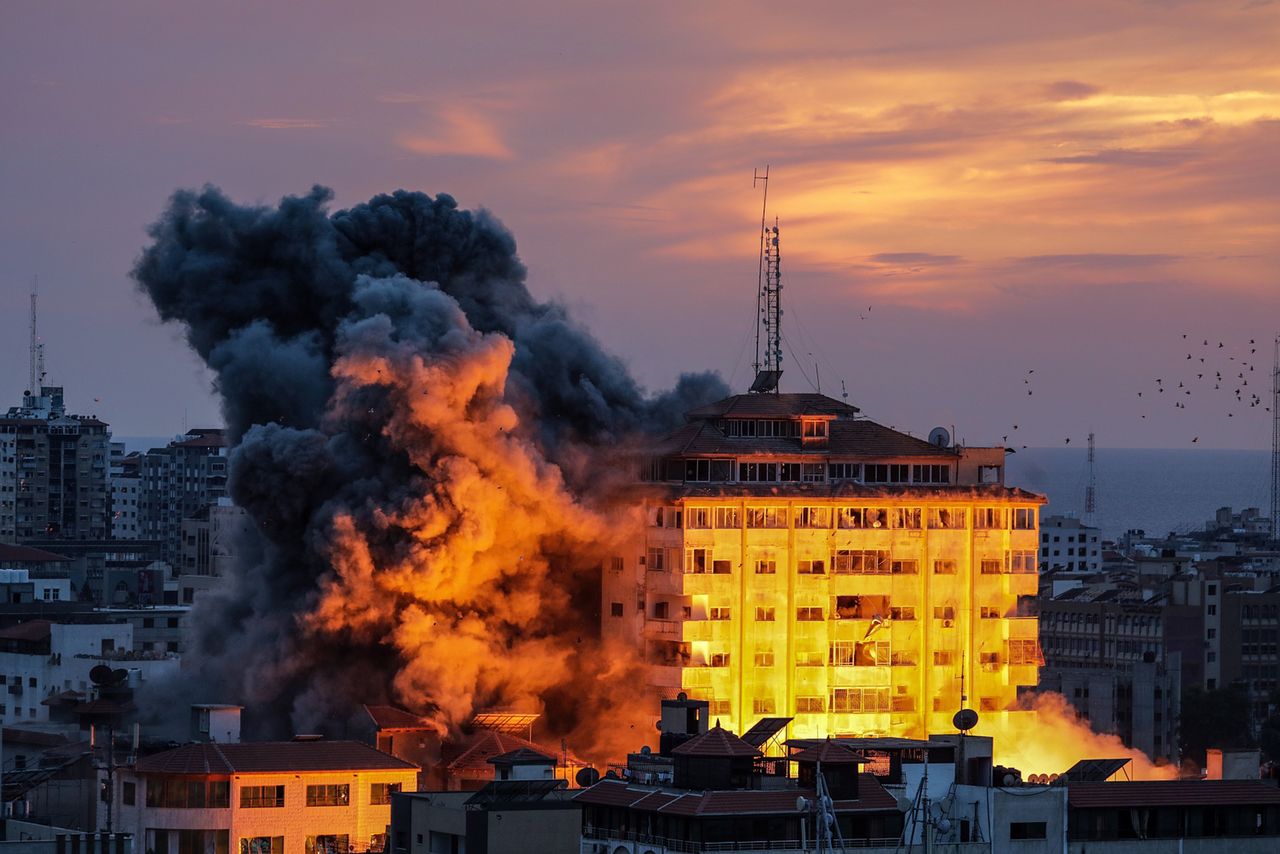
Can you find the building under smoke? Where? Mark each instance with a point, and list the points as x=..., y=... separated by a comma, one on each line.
x=803, y=562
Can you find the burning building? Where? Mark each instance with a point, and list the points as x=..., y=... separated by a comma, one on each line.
x=801, y=561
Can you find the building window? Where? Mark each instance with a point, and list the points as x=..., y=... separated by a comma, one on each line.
x=758, y=472
x=764, y=658
x=904, y=567
x=661, y=610
x=698, y=517
x=1213, y=610
x=766, y=517
x=328, y=844
x=763, y=614
x=1021, y=562
x=814, y=429
x=260, y=844
x=858, y=562
x=129, y=794
x=809, y=615
x=944, y=567
x=860, y=699
x=615, y=609
x=721, y=613
x=813, y=517
x=931, y=474
x=990, y=567
x=719, y=707
x=810, y=705
x=906, y=517
x=762, y=706
x=856, y=518
x=789, y=472
x=728, y=517
x=902, y=613
x=766, y=566
x=615, y=564
x=945, y=518
x=657, y=560
x=721, y=567
x=1024, y=518
x=696, y=561
x=380, y=793
x=259, y=797
x=811, y=567
x=1026, y=830
x=813, y=473
x=989, y=518
x=943, y=657
x=719, y=659
x=844, y=471
x=335, y=795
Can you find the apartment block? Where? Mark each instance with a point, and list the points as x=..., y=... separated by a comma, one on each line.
x=800, y=561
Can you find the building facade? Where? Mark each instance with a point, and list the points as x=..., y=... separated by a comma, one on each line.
x=179, y=482
x=1068, y=544
x=53, y=472
x=800, y=561
x=294, y=797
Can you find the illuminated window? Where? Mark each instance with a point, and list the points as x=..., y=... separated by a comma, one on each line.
x=810, y=705
x=696, y=561
x=811, y=567
x=814, y=429
x=328, y=844
x=989, y=518
x=698, y=517
x=905, y=517
x=332, y=795
x=719, y=659
x=947, y=518
x=728, y=517
x=261, y=845
x=766, y=517
x=813, y=517
x=380, y=793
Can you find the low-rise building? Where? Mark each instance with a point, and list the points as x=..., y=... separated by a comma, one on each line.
x=293, y=797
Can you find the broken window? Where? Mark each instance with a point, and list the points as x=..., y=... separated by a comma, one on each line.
x=859, y=700
x=946, y=517
x=766, y=517
x=789, y=472
x=906, y=517
x=860, y=562
x=990, y=518
x=902, y=613
x=728, y=517
x=698, y=517
x=697, y=561
x=813, y=517
x=719, y=659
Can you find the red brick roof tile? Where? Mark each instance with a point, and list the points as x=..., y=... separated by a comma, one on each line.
x=716, y=741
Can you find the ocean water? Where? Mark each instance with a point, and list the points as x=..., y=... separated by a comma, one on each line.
x=1156, y=490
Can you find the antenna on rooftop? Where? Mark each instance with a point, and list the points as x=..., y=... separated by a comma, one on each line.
x=768, y=365
x=36, y=352
x=1091, y=491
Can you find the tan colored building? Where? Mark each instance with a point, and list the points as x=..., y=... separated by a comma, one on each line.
x=801, y=561
x=291, y=797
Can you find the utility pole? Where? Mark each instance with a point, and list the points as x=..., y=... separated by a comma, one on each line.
x=768, y=363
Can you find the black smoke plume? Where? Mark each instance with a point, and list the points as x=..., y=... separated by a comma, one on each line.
x=416, y=439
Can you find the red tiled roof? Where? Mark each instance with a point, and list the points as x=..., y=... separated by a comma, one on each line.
x=1157, y=793
x=31, y=630
x=772, y=406
x=872, y=797
x=389, y=717
x=716, y=741
x=26, y=554
x=829, y=753
x=269, y=757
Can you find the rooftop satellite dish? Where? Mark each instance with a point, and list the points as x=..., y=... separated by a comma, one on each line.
x=100, y=675
x=965, y=720
x=587, y=777
x=943, y=825
x=658, y=725
x=802, y=804
x=682, y=696
x=939, y=437
x=645, y=750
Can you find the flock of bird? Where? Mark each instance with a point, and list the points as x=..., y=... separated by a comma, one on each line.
x=1214, y=374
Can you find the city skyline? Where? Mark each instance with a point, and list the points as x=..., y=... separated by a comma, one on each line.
x=964, y=196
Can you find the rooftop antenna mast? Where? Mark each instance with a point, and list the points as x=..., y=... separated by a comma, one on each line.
x=1275, y=443
x=768, y=364
x=1091, y=491
x=35, y=358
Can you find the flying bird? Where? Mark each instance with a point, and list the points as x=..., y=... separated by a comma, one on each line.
x=1196, y=439
x=1068, y=440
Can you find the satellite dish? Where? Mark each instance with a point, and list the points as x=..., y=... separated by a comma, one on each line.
x=659, y=725
x=943, y=825
x=645, y=750
x=612, y=775
x=587, y=777
x=965, y=720
x=100, y=675
x=682, y=696
x=802, y=804
x=939, y=437
x=935, y=811
x=905, y=804
x=119, y=675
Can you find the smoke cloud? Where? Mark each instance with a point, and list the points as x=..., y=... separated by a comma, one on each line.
x=422, y=446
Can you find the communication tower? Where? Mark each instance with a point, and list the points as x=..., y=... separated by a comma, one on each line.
x=768, y=363
x=36, y=353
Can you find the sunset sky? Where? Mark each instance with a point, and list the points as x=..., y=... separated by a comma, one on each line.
x=967, y=191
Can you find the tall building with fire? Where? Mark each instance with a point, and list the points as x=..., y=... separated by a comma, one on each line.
x=801, y=561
